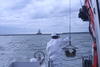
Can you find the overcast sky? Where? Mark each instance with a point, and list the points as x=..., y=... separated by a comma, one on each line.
x=27, y=16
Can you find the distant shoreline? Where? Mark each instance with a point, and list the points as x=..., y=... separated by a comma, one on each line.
x=42, y=34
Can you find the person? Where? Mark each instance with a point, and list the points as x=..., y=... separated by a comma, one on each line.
x=55, y=50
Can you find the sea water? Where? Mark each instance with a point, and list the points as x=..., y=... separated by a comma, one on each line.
x=21, y=48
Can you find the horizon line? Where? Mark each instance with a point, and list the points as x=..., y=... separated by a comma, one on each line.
x=44, y=33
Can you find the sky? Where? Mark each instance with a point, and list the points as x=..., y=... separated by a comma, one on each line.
x=28, y=16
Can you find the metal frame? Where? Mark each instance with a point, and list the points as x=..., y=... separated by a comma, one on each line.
x=97, y=28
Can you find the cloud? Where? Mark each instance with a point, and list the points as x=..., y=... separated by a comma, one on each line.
x=36, y=8
x=29, y=15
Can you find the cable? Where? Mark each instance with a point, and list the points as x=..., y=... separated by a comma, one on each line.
x=69, y=22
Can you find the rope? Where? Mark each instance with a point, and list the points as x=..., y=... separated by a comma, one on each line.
x=69, y=22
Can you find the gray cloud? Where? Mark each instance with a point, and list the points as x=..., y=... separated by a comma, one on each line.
x=20, y=5
x=31, y=15
x=37, y=8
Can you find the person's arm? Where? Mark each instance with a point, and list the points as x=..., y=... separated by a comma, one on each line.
x=66, y=39
x=65, y=42
x=47, y=56
x=47, y=50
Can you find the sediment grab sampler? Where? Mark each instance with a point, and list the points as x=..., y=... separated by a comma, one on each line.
x=70, y=51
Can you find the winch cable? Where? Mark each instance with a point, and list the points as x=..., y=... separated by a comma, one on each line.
x=70, y=22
